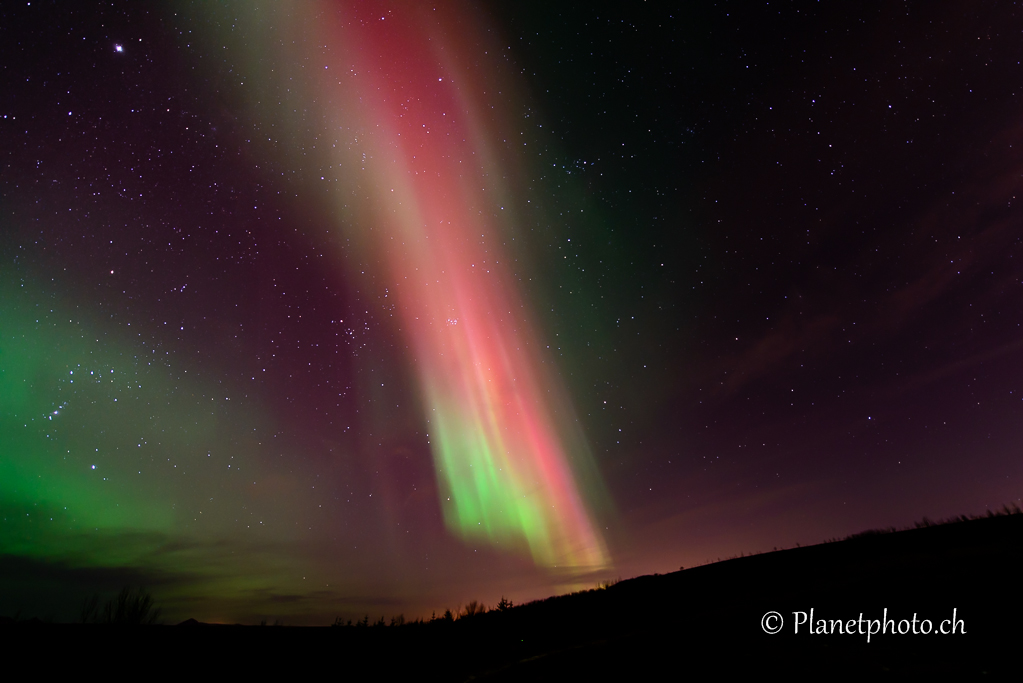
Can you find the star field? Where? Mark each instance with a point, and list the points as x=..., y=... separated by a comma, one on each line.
x=761, y=262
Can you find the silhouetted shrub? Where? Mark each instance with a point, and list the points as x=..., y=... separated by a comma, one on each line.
x=89, y=612
x=131, y=607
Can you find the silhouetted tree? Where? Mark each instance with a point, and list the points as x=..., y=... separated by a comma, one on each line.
x=473, y=608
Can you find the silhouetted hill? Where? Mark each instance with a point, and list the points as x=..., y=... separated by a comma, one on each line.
x=709, y=618
x=702, y=621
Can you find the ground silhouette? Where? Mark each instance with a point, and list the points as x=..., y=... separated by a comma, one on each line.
x=700, y=621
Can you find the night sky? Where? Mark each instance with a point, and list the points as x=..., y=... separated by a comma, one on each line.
x=326, y=308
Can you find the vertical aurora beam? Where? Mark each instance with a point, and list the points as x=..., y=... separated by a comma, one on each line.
x=423, y=162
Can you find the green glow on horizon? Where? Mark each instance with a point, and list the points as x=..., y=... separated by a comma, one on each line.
x=161, y=500
x=55, y=430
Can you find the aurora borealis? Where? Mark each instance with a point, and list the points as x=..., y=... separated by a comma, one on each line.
x=329, y=308
x=429, y=160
